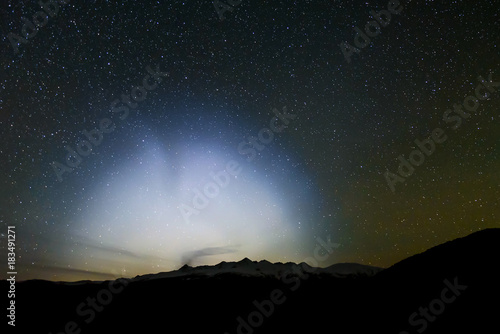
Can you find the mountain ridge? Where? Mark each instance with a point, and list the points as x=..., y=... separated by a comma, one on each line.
x=264, y=268
x=198, y=299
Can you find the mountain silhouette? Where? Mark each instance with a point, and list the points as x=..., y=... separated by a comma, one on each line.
x=263, y=268
x=450, y=288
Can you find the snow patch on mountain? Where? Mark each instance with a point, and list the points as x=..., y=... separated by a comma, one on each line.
x=249, y=268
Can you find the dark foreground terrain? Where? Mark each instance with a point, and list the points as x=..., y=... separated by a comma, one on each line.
x=451, y=288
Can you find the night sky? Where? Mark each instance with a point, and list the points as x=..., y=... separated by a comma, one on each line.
x=301, y=138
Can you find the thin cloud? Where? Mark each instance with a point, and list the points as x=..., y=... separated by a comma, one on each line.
x=189, y=257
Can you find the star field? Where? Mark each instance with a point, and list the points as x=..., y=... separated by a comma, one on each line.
x=118, y=212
